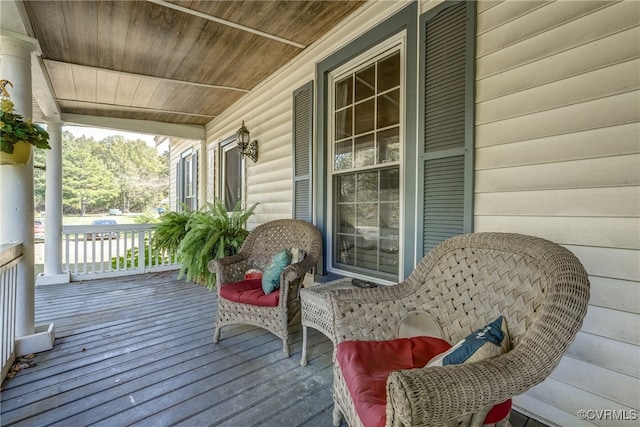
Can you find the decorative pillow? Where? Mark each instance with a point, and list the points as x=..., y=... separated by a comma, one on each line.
x=253, y=273
x=418, y=323
x=485, y=343
x=297, y=255
x=271, y=275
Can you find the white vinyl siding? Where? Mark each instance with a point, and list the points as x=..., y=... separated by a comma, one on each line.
x=557, y=156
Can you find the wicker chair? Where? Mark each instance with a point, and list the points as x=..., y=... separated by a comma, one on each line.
x=257, y=251
x=540, y=288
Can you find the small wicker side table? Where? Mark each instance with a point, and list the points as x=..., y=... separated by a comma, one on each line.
x=315, y=311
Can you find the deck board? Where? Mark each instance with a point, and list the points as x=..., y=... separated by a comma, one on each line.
x=138, y=351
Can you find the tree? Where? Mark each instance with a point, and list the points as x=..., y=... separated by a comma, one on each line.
x=39, y=177
x=141, y=174
x=88, y=184
x=101, y=175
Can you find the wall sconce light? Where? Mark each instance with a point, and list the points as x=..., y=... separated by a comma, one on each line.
x=249, y=149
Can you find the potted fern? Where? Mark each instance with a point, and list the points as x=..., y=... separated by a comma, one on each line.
x=17, y=135
x=200, y=236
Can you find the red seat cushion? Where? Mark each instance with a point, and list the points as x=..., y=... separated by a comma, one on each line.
x=250, y=292
x=366, y=365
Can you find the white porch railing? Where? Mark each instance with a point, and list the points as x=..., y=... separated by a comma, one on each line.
x=10, y=257
x=98, y=251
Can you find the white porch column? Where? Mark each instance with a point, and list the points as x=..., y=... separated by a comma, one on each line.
x=53, y=210
x=16, y=190
x=16, y=193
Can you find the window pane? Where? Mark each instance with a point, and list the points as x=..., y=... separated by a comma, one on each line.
x=344, y=92
x=389, y=72
x=389, y=145
x=389, y=256
x=343, y=157
x=390, y=185
x=367, y=253
x=343, y=123
x=347, y=218
x=365, y=151
x=389, y=109
x=365, y=83
x=188, y=177
x=346, y=188
x=367, y=220
x=232, y=177
x=389, y=219
x=367, y=187
x=365, y=113
x=346, y=249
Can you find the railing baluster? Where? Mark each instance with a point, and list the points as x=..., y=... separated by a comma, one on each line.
x=77, y=267
x=66, y=251
x=118, y=258
x=141, y=252
x=11, y=256
x=118, y=252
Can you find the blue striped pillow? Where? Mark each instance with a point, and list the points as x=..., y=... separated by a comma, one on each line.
x=485, y=343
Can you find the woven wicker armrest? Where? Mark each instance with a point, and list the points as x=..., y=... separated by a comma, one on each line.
x=299, y=269
x=418, y=397
x=290, y=280
x=228, y=269
x=363, y=314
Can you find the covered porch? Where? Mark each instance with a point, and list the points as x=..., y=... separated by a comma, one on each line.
x=138, y=350
x=548, y=125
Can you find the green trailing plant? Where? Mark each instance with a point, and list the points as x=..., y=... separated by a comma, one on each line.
x=14, y=128
x=171, y=229
x=211, y=233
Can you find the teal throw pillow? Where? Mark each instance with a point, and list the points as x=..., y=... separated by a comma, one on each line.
x=271, y=275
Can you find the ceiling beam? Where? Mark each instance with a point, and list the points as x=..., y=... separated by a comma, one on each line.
x=134, y=108
x=42, y=90
x=138, y=126
x=225, y=22
x=147, y=76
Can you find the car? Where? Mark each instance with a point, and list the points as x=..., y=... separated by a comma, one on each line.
x=105, y=234
x=160, y=210
x=38, y=230
x=117, y=212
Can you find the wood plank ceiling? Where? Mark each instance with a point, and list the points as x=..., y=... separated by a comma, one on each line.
x=180, y=62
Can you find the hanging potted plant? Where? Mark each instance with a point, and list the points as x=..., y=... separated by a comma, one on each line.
x=16, y=134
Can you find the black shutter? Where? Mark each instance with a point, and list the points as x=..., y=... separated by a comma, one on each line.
x=447, y=153
x=302, y=145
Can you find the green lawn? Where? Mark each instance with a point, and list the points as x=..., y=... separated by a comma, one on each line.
x=87, y=219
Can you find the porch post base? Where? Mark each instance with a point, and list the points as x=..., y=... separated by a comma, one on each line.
x=52, y=279
x=41, y=340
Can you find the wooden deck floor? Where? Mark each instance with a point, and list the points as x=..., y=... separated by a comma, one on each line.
x=138, y=351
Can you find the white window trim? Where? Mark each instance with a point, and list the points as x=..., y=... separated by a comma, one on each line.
x=393, y=43
x=194, y=179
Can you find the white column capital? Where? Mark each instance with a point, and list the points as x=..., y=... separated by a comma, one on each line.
x=18, y=44
x=53, y=123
